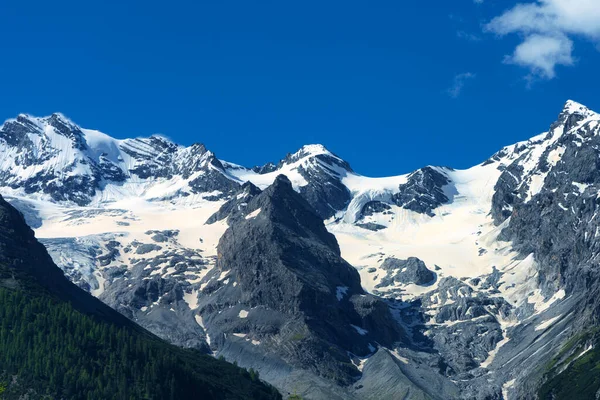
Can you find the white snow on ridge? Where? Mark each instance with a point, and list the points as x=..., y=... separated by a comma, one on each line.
x=264, y=180
x=452, y=239
x=304, y=158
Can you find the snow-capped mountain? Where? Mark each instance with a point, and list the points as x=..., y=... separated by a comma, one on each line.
x=484, y=273
x=54, y=157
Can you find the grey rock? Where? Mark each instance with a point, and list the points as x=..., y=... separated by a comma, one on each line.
x=411, y=270
x=372, y=227
x=286, y=268
x=423, y=192
x=236, y=207
x=147, y=248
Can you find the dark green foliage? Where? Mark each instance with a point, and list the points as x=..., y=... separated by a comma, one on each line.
x=62, y=353
x=59, y=342
x=581, y=379
x=253, y=374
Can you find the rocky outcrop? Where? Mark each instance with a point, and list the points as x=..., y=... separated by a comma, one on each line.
x=236, y=208
x=411, y=270
x=281, y=284
x=423, y=192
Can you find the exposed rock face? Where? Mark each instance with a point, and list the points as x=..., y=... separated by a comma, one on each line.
x=423, y=192
x=324, y=193
x=24, y=256
x=546, y=200
x=236, y=208
x=265, y=169
x=28, y=271
x=383, y=379
x=556, y=193
x=152, y=288
x=322, y=172
x=282, y=283
x=371, y=226
x=407, y=271
x=374, y=207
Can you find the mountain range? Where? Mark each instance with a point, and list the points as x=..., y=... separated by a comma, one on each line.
x=437, y=284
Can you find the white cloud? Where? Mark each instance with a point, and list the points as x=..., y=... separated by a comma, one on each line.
x=548, y=27
x=459, y=83
x=541, y=53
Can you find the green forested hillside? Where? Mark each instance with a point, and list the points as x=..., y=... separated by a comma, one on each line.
x=59, y=342
x=575, y=372
x=60, y=352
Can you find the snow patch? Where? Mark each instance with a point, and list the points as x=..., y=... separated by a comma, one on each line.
x=191, y=299
x=505, y=388
x=547, y=323
x=253, y=214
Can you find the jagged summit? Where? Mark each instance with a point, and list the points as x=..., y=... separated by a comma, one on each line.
x=56, y=116
x=56, y=158
x=308, y=151
x=282, y=271
x=53, y=155
x=572, y=107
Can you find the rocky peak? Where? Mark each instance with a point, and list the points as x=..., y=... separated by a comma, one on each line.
x=281, y=263
x=323, y=171
x=568, y=149
x=573, y=107
x=66, y=128
x=290, y=210
x=571, y=115
x=14, y=132
x=265, y=169
x=309, y=153
x=424, y=191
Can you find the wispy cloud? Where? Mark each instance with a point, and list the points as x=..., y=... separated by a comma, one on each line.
x=471, y=37
x=459, y=83
x=547, y=27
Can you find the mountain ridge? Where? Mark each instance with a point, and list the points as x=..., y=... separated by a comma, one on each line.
x=470, y=263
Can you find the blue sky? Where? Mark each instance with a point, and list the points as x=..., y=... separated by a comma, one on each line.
x=388, y=85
